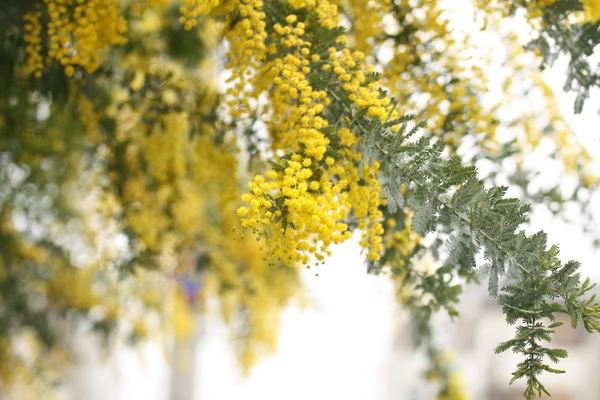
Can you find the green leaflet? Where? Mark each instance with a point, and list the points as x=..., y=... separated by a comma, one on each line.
x=449, y=199
x=577, y=41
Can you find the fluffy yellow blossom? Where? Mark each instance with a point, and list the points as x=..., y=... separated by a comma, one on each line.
x=298, y=217
x=300, y=209
x=591, y=10
x=76, y=33
x=140, y=6
x=192, y=9
x=34, y=41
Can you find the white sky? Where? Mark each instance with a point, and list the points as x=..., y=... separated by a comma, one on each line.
x=335, y=350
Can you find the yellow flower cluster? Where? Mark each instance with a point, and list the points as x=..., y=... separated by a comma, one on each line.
x=300, y=208
x=284, y=78
x=591, y=10
x=192, y=9
x=141, y=6
x=297, y=211
x=535, y=10
x=364, y=96
x=71, y=288
x=450, y=91
x=300, y=123
x=364, y=195
x=366, y=17
x=402, y=241
x=67, y=289
x=247, y=47
x=172, y=197
x=156, y=161
x=575, y=157
x=438, y=82
x=33, y=38
x=77, y=31
x=22, y=378
x=366, y=199
x=541, y=118
x=454, y=388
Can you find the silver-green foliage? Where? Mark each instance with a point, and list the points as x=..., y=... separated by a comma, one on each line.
x=449, y=199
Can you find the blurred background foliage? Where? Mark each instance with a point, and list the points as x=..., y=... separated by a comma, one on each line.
x=121, y=167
